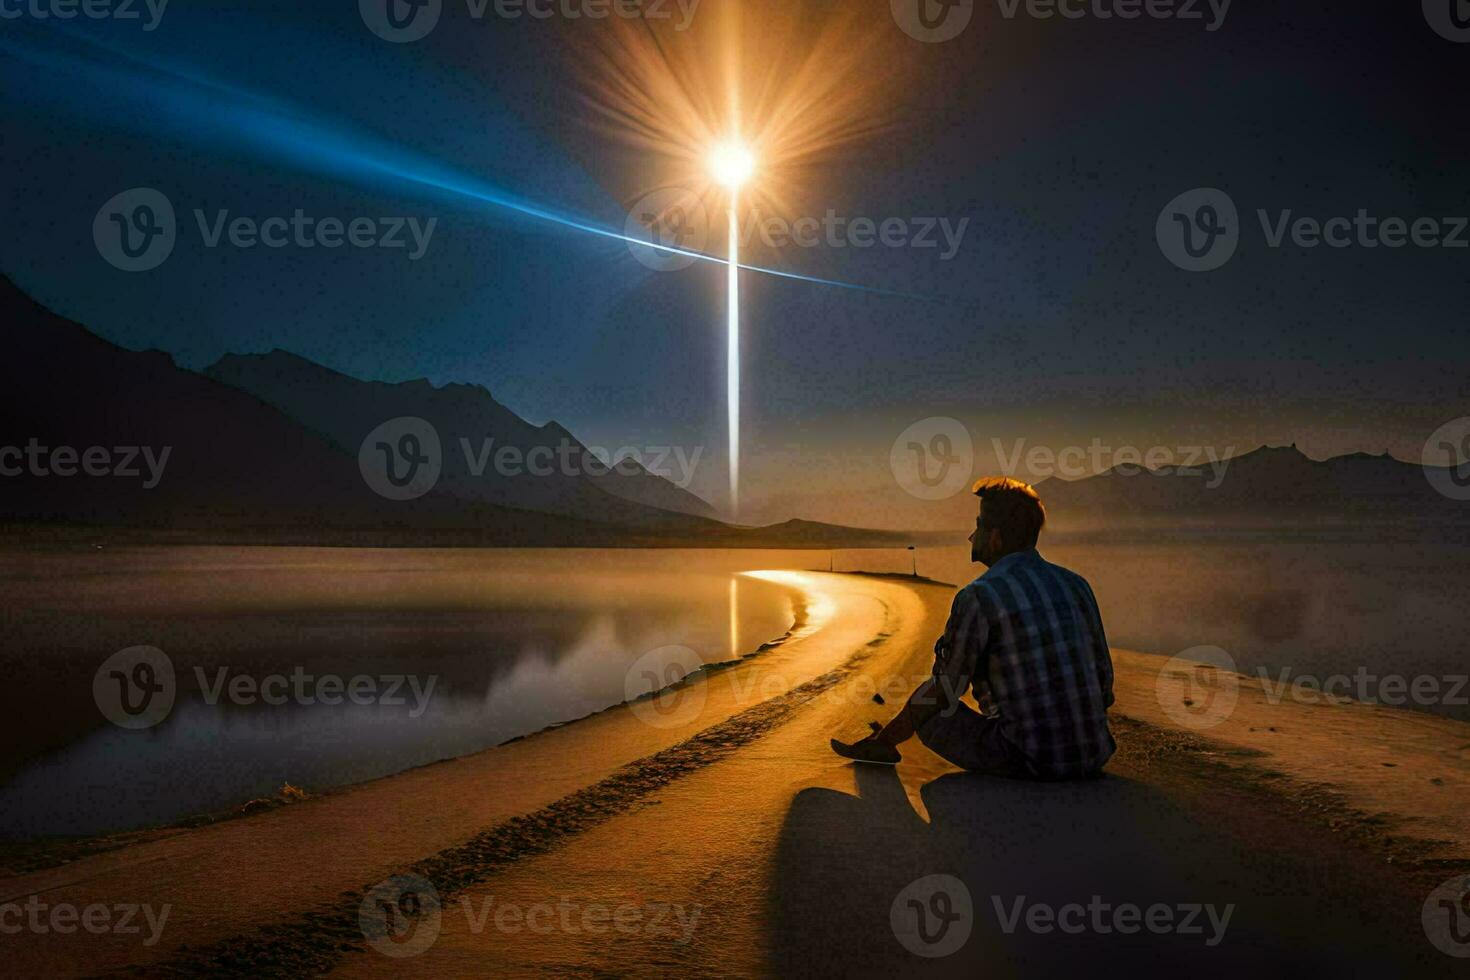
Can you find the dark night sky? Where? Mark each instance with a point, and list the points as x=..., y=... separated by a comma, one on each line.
x=1058, y=319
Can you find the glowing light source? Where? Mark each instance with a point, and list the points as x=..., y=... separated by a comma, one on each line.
x=732, y=164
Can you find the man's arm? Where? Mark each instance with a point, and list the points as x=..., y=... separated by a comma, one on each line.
x=958, y=655
x=928, y=700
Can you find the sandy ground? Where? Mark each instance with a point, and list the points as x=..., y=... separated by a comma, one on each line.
x=711, y=832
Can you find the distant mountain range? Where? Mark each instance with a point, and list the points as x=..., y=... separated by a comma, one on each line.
x=1274, y=486
x=473, y=428
x=265, y=449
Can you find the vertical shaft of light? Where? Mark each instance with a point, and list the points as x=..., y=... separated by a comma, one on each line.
x=732, y=357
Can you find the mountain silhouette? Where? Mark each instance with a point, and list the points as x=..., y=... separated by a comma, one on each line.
x=1278, y=486
x=490, y=454
x=239, y=469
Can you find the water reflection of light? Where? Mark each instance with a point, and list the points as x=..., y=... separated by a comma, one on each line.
x=815, y=586
x=734, y=616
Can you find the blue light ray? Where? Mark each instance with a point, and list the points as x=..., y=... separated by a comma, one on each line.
x=199, y=107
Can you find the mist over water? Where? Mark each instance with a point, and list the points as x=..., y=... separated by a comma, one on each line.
x=516, y=640
x=1307, y=607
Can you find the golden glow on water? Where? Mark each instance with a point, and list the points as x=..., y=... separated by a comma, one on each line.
x=734, y=616
x=820, y=589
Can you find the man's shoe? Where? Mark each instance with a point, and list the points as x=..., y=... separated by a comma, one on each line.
x=867, y=750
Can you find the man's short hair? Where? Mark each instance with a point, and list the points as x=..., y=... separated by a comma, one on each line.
x=1011, y=507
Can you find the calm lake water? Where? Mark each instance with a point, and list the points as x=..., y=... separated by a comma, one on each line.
x=1293, y=609
x=492, y=645
x=515, y=640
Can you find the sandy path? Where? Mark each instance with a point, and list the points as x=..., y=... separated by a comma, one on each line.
x=785, y=859
x=738, y=831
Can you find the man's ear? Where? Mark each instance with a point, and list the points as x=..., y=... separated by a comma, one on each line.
x=993, y=540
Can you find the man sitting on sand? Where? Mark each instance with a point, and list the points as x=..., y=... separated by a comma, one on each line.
x=1027, y=635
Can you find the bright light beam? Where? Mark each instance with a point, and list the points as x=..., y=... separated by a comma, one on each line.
x=732, y=356
x=732, y=164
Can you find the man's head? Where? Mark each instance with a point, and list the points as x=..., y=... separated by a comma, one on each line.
x=1011, y=518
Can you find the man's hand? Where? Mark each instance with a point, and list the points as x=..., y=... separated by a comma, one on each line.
x=867, y=750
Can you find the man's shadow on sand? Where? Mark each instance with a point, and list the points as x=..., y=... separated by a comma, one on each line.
x=843, y=861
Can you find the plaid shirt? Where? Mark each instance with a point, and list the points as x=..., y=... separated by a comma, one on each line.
x=1028, y=635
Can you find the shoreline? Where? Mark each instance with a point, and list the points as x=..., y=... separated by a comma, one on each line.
x=41, y=853
x=495, y=818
